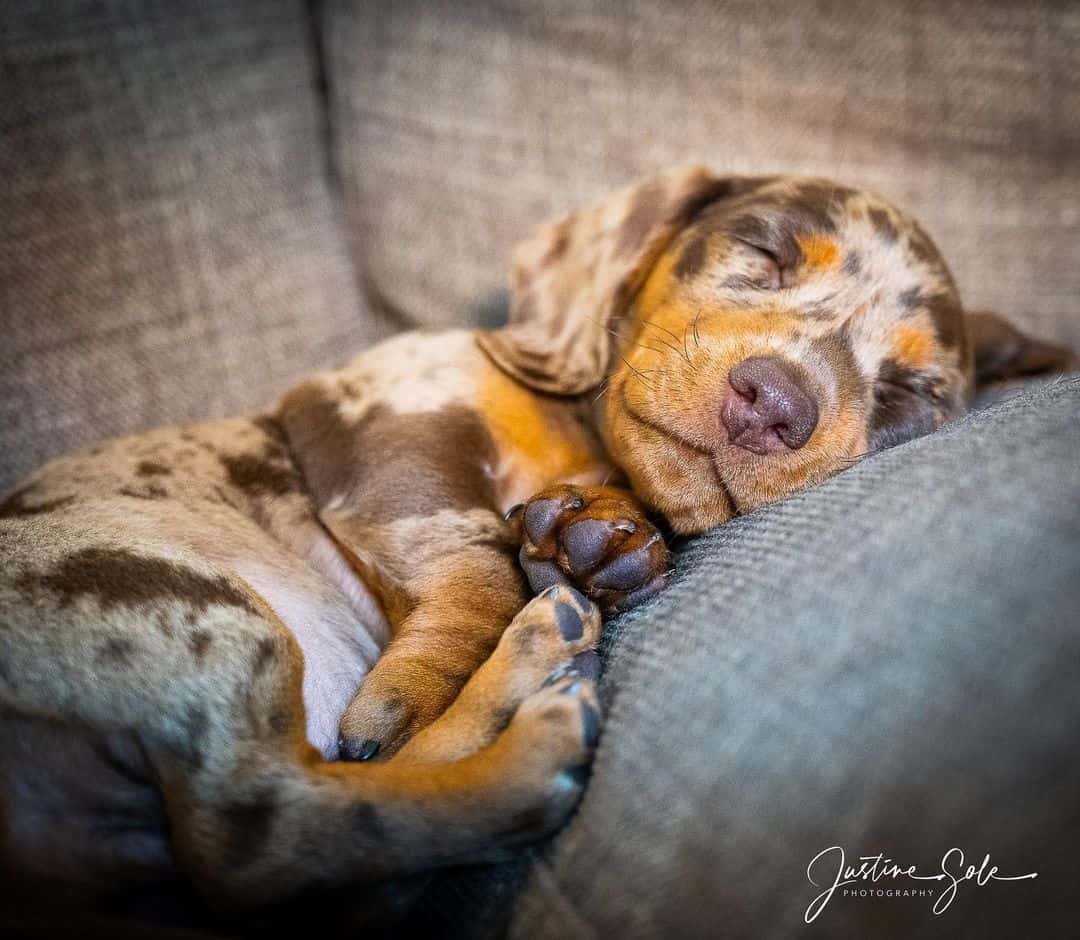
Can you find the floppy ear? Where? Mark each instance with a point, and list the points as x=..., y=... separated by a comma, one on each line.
x=1003, y=352
x=573, y=278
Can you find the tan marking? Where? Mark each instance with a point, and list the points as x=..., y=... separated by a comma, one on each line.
x=914, y=346
x=538, y=439
x=820, y=253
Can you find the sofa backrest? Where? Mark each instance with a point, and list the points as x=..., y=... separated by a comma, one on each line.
x=461, y=124
x=169, y=246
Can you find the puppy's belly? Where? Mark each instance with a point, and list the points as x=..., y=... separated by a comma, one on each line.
x=341, y=630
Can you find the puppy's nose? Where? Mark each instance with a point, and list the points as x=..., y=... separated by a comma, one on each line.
x=768, y=410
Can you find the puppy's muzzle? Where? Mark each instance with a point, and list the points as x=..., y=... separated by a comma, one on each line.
x=768, y=409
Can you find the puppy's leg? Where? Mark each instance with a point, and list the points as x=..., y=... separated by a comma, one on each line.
x=551, y=639
x=260, y=815
x=209, y=683
x=457, y=588
x=597, y=538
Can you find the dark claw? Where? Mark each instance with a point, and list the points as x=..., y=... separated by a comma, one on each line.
x=578, y=775
x=509, y=514
x=365, y=750
x=590, y=719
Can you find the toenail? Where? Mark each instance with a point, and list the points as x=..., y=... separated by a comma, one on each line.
x=572, y=689
x=571, y=626
x=577, y=775
x=509, y=514
x=365, y=750
x=552, y=592
x=555, y=675
x=590, y=720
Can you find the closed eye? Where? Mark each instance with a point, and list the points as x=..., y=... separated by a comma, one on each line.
x=760, y=267
x=901, y=412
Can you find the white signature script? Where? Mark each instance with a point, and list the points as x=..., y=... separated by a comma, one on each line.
x=830, y=867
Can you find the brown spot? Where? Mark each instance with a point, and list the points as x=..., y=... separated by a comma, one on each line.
x=560, y=239
x=265, y=653
x=16, y=505
x=279, y=722
x=883, y=224
x=501, y=717
x=225, y=498
x=836, y=349
x=164, y=624
x=365, y=822
x=692, y=258
x=390, y=465
x=116, y=651
x=646, y=213
x=117, y=577
x=150, y=468
x=852, y=264
x=910, y=299
x=249, y=826
x=270, y=428
x=199, y=641
x=948, y=319
x=822, y=200
x=707, y=191
x=194, y=723
x=260, y=475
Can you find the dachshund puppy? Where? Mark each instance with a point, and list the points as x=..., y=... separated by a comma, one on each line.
x=196, y=623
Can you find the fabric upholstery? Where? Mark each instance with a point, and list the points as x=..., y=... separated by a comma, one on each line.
x=887, y=663
x=170, y=247
x=460, y=124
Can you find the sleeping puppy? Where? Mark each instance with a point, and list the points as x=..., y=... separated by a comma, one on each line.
x=197, y=622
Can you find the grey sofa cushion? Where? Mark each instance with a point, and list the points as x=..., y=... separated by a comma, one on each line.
x=888, y=663
x=461, y=124
x=169, y=246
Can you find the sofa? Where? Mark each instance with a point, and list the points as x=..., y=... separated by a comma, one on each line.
x=201, y=202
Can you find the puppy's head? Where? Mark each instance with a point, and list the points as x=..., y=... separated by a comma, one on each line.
x=749, y=336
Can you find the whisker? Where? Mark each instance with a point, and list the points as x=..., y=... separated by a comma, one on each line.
x=638, y=373
x=653, y=348
x=657, y=326
x=680, y=339
x=694, y=329
x=686, y=352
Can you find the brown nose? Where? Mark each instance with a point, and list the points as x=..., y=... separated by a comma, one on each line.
x=768, y=410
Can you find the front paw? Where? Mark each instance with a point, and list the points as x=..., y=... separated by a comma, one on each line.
x=595, y=538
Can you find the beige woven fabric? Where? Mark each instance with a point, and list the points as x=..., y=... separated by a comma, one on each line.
x=462, y=124
x=169, y=248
